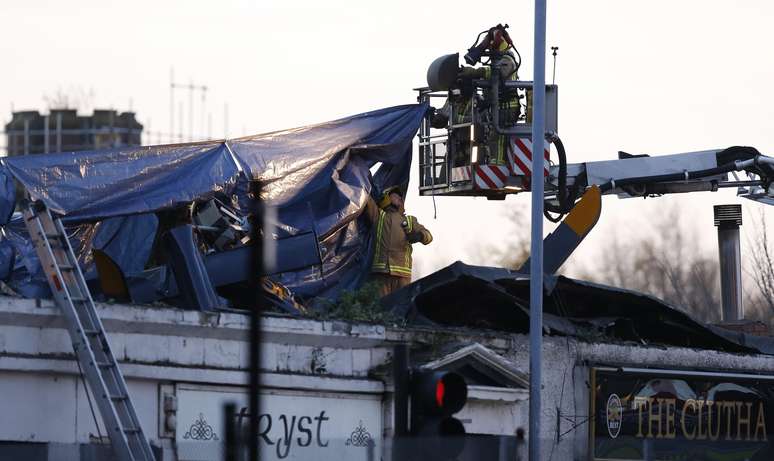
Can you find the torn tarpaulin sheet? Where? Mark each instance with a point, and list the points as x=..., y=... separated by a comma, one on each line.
x=316, y=178
x=496, y=298
x=94, y=185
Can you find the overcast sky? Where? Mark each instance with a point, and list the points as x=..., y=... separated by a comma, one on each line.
x=652, y=77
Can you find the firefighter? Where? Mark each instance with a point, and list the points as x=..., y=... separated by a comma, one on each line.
x=460, y=140
x=458, y=110
x=510, y=106
x=395, y=233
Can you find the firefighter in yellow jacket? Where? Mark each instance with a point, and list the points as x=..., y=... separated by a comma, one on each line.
x=395, y=233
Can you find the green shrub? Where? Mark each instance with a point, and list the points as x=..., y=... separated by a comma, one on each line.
x=361, y=305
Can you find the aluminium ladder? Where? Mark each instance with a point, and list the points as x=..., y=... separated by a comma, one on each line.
x=100, y=367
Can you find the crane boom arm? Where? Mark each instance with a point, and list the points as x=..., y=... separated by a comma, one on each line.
x=642, y=175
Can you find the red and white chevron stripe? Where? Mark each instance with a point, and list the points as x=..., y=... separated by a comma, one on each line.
x=520, y=156
x=490, y=176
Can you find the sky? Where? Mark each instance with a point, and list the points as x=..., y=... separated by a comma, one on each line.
x=653, y=77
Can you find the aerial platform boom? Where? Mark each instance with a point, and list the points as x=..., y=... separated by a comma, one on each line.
x=478, y=143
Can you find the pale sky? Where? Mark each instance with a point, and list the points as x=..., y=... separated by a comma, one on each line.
x=652, y=77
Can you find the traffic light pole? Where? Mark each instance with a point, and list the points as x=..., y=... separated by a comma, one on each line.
x=536, y=253
x=401, y=378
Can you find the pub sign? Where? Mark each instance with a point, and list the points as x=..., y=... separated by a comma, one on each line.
x=646, y=414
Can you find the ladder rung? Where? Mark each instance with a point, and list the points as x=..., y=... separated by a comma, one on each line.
x=53, y=236
x=78, y=299
x=131, y=430
x=117, y=397
x=105, y=364
x=66, y=267
x=91, y=332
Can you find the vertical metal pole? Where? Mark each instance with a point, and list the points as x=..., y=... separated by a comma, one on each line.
x=256, y=271
x=400, y=377
x=203, y=110
x=536, y=253
x=225, y=121
x=171, y=105
x=231, y=448
x=190, y=111
x=10, y=149
x=180, y=121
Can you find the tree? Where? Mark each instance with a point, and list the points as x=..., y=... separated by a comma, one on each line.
x=75, y=97
x=761, y=271
x=668, y=263
x=512, y=253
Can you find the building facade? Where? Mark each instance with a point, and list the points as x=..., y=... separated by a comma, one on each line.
x=328, y=392
x=63, y=130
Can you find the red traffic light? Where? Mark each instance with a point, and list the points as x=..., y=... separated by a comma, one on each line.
x=440, y=392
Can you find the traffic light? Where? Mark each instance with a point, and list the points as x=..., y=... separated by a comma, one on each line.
x=435, y=397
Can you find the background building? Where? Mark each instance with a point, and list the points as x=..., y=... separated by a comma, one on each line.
x=63, y=130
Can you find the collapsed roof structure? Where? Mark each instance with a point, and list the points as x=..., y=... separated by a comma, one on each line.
x=119, y=203
x=315, y=179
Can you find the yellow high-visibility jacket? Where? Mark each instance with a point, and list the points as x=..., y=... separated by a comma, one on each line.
x=392, y=254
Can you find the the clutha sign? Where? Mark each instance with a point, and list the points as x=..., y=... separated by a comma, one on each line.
x=672, y=415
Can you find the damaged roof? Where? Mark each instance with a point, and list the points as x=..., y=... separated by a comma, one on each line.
x=462, y=295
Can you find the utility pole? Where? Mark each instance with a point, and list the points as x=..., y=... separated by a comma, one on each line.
x=536, y=253
x=190, y=111
x=171, y=105
x=192, y=88
x=203, y=112
x=225, y=121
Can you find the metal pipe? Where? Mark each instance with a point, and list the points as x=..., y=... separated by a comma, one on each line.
x=740, y=183
x=728, y=218
x=536, y=253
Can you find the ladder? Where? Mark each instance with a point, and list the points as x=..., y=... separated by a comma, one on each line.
x=92, y=350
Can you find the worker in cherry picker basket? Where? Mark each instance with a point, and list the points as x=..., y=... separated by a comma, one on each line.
x=395, y=232
x=497, y=43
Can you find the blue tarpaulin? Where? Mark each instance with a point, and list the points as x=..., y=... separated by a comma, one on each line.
x=94, y=185
x=316, y=178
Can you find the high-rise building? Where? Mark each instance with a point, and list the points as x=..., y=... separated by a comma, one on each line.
x=63, y=130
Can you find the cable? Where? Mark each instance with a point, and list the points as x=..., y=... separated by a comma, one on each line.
x=566, y=200
x=88, y=396
x=553, y=219
x=562, y=194
x=518, y=64
x=486, y=31
x=435, y=210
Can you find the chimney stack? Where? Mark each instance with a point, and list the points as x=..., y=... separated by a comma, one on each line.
x=728, y=218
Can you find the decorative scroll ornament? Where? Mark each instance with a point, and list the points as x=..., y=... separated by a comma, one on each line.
x=200, y=430
x=360, y=437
